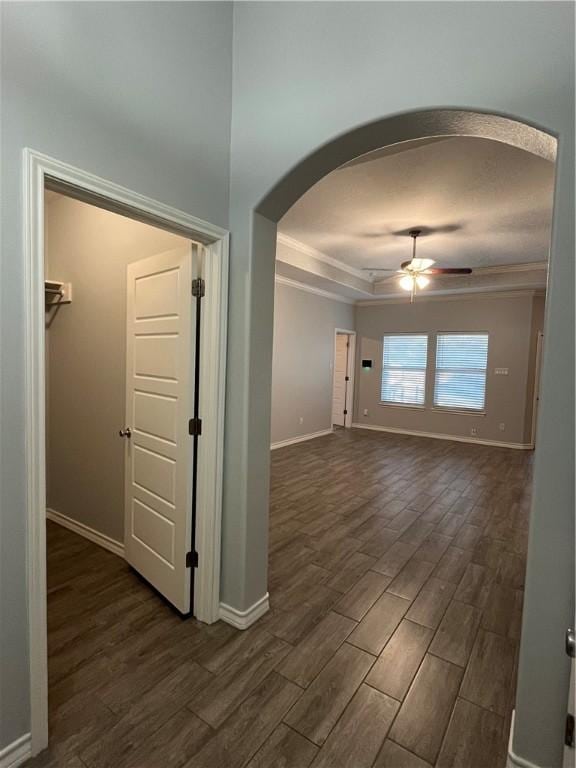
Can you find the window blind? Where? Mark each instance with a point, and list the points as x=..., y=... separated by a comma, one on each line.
x=404, y=369
x=460, y=380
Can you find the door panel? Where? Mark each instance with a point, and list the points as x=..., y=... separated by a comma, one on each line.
x=152, y=530
x=155, y=295
x=155, y=415
x=159, y=404
x=156, y=356
x=340, y=369
x=155, y=473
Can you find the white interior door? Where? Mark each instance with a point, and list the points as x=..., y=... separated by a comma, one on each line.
x=340, y=373
x=159, y=403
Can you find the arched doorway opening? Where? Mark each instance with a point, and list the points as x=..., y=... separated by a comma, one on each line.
x=343, y=149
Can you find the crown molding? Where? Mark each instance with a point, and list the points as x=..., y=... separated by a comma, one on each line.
x=502, y=269
x=297, y=245
x=464, y=294
x=312, y=289
x=498, y=269
x=469, y=296
x=308, y=250
x=401, y=299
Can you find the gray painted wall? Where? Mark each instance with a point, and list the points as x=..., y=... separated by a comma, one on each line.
x=307, y=73
x=80, y=85
x=302, y=372
x=90, y=248
x=139, y=93
x=512, y=342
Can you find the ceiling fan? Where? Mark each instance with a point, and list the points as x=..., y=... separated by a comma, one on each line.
x=414, y=272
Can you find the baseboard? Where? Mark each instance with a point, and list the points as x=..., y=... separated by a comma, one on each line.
x=455, y=438
x=300, y=439
x=17, y=752
x=88, y=533
x=513, y=760
x=245, y=619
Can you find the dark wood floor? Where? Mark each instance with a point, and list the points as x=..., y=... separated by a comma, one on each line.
x=396, y=582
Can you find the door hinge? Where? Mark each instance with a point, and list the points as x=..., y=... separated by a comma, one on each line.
x=198, y=287
x=345, y=412
x=195, y=427
x=569, y=735
x=346, y=378
x=191, y=559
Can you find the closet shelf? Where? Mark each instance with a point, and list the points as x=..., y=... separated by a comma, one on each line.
x=56, y=293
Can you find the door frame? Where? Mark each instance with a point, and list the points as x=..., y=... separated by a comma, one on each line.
x=350, y=370
x=537, y=381
x=38, y=171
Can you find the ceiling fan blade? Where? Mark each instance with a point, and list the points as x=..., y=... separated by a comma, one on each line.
x=447, y=271
x=418, y=265
x=378, y=269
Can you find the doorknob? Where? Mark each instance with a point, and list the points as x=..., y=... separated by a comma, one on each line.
x=571, y=643
x=127, y=432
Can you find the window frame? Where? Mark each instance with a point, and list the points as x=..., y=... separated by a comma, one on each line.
x=455, y=408
x=392, y=403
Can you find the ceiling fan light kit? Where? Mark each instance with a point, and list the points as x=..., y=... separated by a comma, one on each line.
x=414, y=272
x=408, y=282
x=422, y=281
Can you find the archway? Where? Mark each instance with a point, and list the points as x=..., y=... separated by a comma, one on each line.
x=396, y=129
x=270, y=209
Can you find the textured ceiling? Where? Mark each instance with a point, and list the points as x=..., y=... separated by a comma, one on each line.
x=479, y=202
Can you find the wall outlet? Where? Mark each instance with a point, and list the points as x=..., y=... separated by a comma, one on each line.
x=301, y=420
x=365, y=411
x=501, y=426
x=473, y=431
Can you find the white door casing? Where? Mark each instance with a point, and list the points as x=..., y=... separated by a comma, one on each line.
x=569, y=759
x=38, y=170
x=340, y=374
x=536, y=394
x=160, y=359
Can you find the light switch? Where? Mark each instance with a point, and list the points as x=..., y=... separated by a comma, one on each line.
x=501, y=371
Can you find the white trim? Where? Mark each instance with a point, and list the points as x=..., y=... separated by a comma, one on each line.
x=438, y=436
x=79, y=183
x=469, y=295
x=116, y=547
x=350, y=371
x=17, y=752
x=503, y=269
x=39, y=169
x=312, y=289
x=300, y=439
x=211, y=457
x=537, y=383
x=513, y=760
x=308, y=250
x=245, y=619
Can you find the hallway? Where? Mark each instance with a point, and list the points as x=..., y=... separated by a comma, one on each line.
x=396, y=577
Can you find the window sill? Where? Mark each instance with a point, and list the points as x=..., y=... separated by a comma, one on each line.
x=460, y=411
x=408, y=406
x=434, y=408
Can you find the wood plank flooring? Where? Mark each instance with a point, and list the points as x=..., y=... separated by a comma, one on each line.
x=396, y=577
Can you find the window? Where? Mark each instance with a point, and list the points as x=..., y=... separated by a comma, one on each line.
x=460, y=380
x=404, y=369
